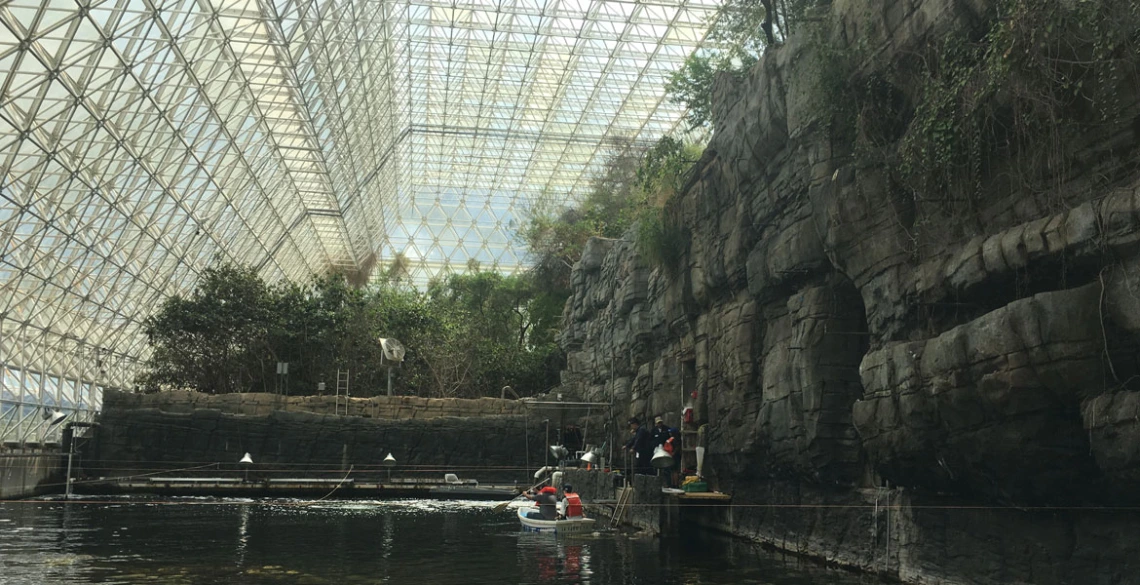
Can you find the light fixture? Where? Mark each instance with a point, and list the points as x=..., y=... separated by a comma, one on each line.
x=393, y=350
x=661, y=458
x=245, y=462
x=390, y=462
x=559, y=451
x=54, y=417
x=590, y=457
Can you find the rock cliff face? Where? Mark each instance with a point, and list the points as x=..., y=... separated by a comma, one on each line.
x=841, y=339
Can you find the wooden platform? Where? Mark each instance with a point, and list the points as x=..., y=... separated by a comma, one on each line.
x=703, y=497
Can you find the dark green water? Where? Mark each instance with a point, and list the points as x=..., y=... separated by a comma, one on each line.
x=193, y=542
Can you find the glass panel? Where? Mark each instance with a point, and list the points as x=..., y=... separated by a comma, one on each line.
x=67, y=398
x=49, y=396
x=9, y=386
x=32, y=388
x=12, y=384
x=84, y=396
x=52, y=388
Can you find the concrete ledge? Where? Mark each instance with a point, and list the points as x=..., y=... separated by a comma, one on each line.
x=262, y=404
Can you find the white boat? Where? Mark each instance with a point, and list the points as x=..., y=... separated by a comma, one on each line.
x=567, y=526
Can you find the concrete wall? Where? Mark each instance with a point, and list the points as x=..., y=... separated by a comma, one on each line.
x=291, y=444
x=645, y=507
x=262, y=404
x=27, y=472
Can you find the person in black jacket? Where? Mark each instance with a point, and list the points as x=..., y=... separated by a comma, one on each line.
x=641, y=444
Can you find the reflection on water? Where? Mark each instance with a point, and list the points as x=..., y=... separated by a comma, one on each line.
x=207, y=541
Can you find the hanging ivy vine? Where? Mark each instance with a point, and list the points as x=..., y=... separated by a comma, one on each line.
x=1014, y=93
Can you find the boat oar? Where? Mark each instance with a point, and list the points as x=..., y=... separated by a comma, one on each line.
x=503, y=506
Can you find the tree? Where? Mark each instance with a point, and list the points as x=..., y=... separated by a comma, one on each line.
x=468, y=335
x=633, y=190
x=740, y=32
x=216, y=339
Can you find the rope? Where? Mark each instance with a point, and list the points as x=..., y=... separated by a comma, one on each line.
x=337, y=487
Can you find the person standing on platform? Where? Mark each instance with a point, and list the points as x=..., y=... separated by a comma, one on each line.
x=660, y=432
x=641, y=444
x=663, y=437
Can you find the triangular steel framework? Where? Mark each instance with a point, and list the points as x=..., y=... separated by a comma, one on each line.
x=139, y=139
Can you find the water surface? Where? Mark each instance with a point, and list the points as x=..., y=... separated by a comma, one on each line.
x=187, y=541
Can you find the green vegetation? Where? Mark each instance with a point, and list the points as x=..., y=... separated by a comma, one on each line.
x=1044, y=72
x=468, y=335
x=740, y=32
x=633, y=195
x=1006, y=100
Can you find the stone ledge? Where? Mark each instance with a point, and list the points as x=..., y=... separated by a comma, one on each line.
x=261, y=404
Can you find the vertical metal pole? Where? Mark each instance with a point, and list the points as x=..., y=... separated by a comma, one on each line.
x=610, y=435
x=546, y=459
x=389, y=381
x=70, y=455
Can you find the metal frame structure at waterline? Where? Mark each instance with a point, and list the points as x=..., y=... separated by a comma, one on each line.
x=28, y=399
x=559, y=405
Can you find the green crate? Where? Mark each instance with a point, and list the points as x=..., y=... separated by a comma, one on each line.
x=696, y=486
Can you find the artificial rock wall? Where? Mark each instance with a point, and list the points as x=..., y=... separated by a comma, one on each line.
x=879, y=364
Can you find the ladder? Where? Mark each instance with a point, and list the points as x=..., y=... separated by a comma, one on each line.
x=341, y=388
x=622, y=505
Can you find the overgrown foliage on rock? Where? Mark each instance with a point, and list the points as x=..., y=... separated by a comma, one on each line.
x=630, y=198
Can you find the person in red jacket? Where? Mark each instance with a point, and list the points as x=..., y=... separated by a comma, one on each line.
x=571, y=505
x=547, y=502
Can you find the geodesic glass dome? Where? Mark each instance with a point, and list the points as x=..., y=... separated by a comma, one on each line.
x=139, y=139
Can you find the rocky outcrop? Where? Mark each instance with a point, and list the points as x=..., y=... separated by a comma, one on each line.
x=836, y=336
